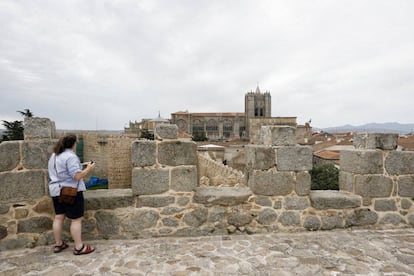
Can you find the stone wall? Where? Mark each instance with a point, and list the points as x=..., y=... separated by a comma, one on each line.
x=165, y=198
x=255, y=125
x=112, y=155
x=213, y=173
x=382, y=176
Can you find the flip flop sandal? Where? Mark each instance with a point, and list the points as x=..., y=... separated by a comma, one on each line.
x=59, y=248
x=84, y=250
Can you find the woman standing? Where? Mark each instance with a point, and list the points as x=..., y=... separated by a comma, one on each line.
x=65, y=170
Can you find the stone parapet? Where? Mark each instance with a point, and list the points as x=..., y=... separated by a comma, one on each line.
x=399, y=163
x=166, y=131
x=102, y=199
x=226, y=196
x=383, y=141
x=23, y=185
x=39, y=128
x=165, y=198
x=362, y=161
x=175, y=153
x=144, y=153
x=334, y=200
x=277, y=135
x=213, y=173
x=10, y=155
x=294, y=158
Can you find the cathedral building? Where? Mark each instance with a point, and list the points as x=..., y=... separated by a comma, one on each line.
x=232, y=125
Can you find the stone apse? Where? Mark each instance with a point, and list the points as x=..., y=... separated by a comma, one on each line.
x=165, y=197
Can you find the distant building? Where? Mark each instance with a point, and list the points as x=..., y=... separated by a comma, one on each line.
x=232, y=125
x=145, y=124
x=227, y=125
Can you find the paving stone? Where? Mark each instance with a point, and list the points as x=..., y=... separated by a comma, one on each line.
x=337, y=252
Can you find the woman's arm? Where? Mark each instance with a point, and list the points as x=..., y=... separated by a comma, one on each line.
x=89, y=167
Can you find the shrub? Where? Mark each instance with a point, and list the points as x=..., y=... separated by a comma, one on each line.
x=325, y=177
x=199, y=137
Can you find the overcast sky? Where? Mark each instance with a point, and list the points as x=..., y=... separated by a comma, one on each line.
x=100, y=64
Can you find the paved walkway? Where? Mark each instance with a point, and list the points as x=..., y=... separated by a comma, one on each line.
x=339, y=252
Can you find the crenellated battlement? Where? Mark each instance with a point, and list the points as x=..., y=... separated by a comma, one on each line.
x=167, y=198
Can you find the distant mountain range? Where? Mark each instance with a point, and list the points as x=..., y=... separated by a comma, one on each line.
x=392, y=127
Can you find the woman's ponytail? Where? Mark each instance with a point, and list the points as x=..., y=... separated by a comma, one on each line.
x=65, y=142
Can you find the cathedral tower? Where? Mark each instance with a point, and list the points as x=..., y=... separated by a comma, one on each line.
x=257, y=104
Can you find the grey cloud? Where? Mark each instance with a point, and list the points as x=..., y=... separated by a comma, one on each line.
x=86, y=64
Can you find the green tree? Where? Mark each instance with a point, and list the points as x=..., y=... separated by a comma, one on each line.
x=145, y=133
x=26, y=113
x=325, y=177
x=15, y=130
x=199, y=137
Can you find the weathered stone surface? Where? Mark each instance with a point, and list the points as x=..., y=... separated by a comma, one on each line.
x=175, y=153
x=393, y=219
x=294, y=158
x=263, y=201
x=22, y=185
x=20, y=213
x=260, y=157
x=361, y=217
x=271, y=183
x=226, y=196
x=155, y=201
x=20, y=242
x=385, y=141
x=171, y=210
x=170, y=222
x=346, y=181
x=278, y=135
x=267, y=216
x=216, y=214
x=400, y=162
x=296, y=203
x=184, y=178
x=277, y=205
x=34, y=225
x=143, y=153
x=191, y=232
x=196, y=217
x=3, y=232
x=36, y=154
x=406, y=186
x=182, y=201
x=385, y=205
x=139, y=219
x=149, y=181
x=108, y=199
x=312, y=223
x=239, y=219
x=38, y=128
x=9, y=155
x=373, y=185
x=107, y=222
x=88, y=226
x=362, y=161
x=334, y=200
x=45, y=205
x=331, y=222
x=166, y=131
x=290, y=218
x=303, y=183
x=410, y=219
x=4, y=209
x=406, y=203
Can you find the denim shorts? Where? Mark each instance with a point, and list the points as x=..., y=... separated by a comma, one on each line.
x=72, y=211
